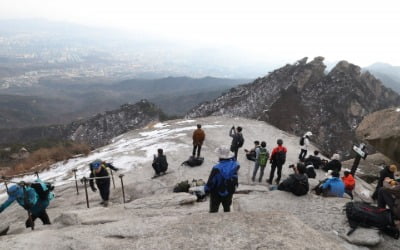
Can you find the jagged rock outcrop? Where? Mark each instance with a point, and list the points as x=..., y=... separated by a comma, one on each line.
x=381, y=129
x=302, y=97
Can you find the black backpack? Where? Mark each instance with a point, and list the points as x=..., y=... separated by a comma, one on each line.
x=280, y=157
x=302, y=141
x=43, y=193
x=182, y=187
x=300, y=187
x=240, y=141
x=310, y=172
x=193, y=161
x=365, y=215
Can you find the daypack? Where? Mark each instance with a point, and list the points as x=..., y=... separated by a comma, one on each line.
x=280, y=157
x=227, y=179
x=300, y=187
x=193, y=161
x=364, y=215
x=263, y=157
x=43, y=189
x=182, y=187
x=29, y=198
x=310, y=172
x=240, y=141
x=302, y=141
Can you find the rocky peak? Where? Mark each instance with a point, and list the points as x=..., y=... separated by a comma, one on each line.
x=301, y=97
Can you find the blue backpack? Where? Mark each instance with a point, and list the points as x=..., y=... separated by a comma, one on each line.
x=227, y=179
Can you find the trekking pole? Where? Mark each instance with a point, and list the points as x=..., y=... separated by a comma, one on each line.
x=37, y=174
x=76, y=182
x=122, y=185
x=87, y=197
x=112, y=177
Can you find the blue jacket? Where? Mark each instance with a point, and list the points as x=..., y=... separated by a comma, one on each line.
x=335, y=187
x=226, y=169
x=35, y=205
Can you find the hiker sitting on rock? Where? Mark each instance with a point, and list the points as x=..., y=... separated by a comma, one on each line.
x=198, y=139
x=333, y=186
x=262, y=156
x=334, y=164
x=28, y=198
x=389, y=195
x=160, y=163
x=98, y=169
x=315, y=160
x=222, y=181
x=296, y=183
x=349, y=182
x=251, y=155
x=387, y=171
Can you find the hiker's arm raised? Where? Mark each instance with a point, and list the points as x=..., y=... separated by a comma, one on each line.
x=7, y=203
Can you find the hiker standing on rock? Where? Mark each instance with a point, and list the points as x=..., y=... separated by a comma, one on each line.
x=198, y=139
x=223, y=181
x=98, y=169
x=278, y=158
x=251, y=155
x=28, y=198
x=262, y=156
x=304, y=144
x=237, y=139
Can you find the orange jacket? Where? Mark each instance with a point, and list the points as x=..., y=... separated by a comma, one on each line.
x=349, y=182
x=198, y=136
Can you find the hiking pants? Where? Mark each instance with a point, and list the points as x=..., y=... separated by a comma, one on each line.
x=256, y=167
x=104, y=189
x=349, y=192
x=302, y=154
x=216, y=200
x=279, y=173
x=198, y=147
x=385, y=198
x=235, y=151
x=42, y=216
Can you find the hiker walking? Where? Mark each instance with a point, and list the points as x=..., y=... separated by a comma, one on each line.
x=296, y=183
x=304, y=144
x=30, y=199
x=278, y=158
x=222, y=181
x=198, y=139
x=237, y=139
x=262, y=156
x=98, y=169
x=160, y=164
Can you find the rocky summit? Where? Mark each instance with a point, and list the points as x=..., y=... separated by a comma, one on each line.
x=304, y=97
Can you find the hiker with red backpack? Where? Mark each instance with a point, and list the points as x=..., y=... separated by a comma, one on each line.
x=278, y=158
x=261, y=160
x=223, y=181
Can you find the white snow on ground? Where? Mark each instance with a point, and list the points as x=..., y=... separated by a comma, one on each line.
x=398, y=110
x=185, y=121
x=161, y=125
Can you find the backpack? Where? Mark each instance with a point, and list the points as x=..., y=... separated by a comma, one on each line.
x=280, y=157
x=182, y=187
x=302, y=141
x=300, y=187
x=365, y=215
x=310, y=172
x=240, y=141
x=43, y=189
x=193, y=161
x=227, y=179
x=263, y=157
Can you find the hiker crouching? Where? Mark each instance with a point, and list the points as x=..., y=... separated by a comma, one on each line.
x=223, y=181
x=98, y=169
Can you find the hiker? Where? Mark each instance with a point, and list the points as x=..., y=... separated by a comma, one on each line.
x=278, y=158
x=237, y=139
x=98, y=169
x=28, y=198
x=198, y=139
x=334, y=164
x=296, y=183
x=251, y=155
x=222, y=181
x=387, y=171
x=314, y=160
x=160, y=163
x=304, y=144
x=349, y=182
x=261, y=160
x=389, y=194
x=333, y=186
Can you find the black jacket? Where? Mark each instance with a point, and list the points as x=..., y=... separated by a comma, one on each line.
x=103, y=173
x=160, y=163
x=314, y=160
x=288, y=185
x=334, y=165
x=383, y=174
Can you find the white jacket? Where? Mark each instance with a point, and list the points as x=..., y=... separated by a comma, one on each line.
x=306, y=143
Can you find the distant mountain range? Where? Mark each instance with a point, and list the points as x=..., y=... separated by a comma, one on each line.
x=388, y=74
x=303, y=97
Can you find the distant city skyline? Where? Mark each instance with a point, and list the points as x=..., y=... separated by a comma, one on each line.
x=361, y=32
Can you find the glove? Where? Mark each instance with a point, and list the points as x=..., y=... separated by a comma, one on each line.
x=94, y=189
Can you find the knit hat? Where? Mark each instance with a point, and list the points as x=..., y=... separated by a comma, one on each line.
x=335, y=156
x=393, y=168
x=224, y=153
x=308, y=133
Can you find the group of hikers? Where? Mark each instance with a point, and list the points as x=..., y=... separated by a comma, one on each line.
x=223, y=179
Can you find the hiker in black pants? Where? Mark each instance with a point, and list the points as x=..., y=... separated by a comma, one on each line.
x=387, y=171
x=278, y=158
x=198, y=139
x=237, y=140
x=160, y=164
x=98, y=168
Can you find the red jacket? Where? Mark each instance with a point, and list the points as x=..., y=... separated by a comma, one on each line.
x=278, y=149
x=349, y=182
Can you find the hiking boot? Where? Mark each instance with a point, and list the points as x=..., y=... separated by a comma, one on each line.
x=101, y=203
x=253, y=179
x=259, y=180
x=269, y=182
x=277, y=182
x=105, y=204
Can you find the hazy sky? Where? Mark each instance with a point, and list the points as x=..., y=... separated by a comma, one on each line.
x=361, y=32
